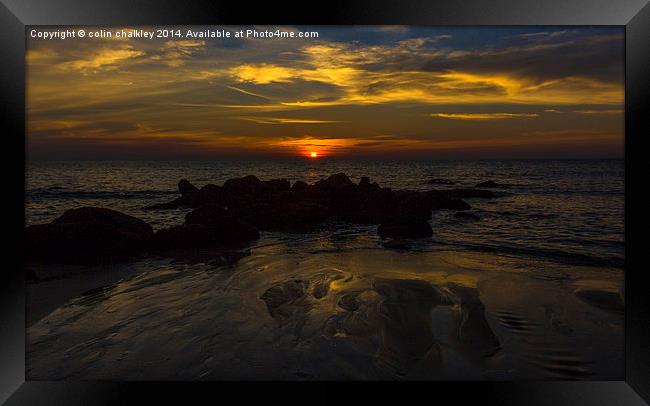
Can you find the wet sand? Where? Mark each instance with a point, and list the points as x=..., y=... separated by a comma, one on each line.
x=52, y=286
x=327, y=310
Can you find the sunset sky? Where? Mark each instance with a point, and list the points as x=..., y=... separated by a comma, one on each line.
x=387, y=92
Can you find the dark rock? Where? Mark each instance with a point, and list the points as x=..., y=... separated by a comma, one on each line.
x=279, y=296
x=300, y=186
x=366, y=187
x=364, y=182
x=411, y=204
x=251, y=185
x=489, y=184
x=299, y=214
x=374, y=205
x=335, y=183
x=302, y=191
x=186, y=188
x=474, y=333
x=88, y=235
x=349, y=302
x=405, y=317
x=188, y=192
x=278, y=205
x=367, y=205
x=101, y=217
x=211, y=195
x=235, y=192
x=465, y=216
x=322, y=284
x=275, y=186
x=205, y=227
x=291, y=216
x=602, y=299
x=458, y=205
x=241, y=192
x=440, y=181
x=468, y=193
x=207, y=215
x=405, y=227
x=378, y=205
x=248, y=185
x=439, y=200
x=397, y=244
x=408, y=290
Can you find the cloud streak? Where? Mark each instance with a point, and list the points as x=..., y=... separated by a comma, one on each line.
x=279, y=120
x=483, y=116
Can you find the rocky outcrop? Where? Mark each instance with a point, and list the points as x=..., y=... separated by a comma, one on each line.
x=335, y=184
x=602, y=299
x=276, y=205
x=490, y=184
x=88, y=235
x=208, y=226
x=188, y=197
x=405, y=227
x=440, y=181
x=280, y=299
x=285, y=215
x=235, y=212
x=211, y=195
x=474, y=333
x=275, y=186
x=187, y=189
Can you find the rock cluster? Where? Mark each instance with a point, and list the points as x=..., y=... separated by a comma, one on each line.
x=88, y=235
x=235, y=213
x=279, y=206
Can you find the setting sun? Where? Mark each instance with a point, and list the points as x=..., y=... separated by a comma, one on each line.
x=313, y=155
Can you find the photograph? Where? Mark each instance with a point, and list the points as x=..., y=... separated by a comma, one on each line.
x=325, y=203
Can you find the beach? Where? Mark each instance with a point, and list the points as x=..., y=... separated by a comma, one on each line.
x=526, y=284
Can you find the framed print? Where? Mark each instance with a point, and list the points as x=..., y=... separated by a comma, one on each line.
x=408, y=198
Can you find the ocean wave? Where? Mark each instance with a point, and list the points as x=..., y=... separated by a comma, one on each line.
x=617, y=192
x=57, y=193
x=567, y=257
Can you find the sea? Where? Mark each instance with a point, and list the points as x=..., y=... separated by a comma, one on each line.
x=568, y=211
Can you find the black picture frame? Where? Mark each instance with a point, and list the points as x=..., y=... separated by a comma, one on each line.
x=16, y=14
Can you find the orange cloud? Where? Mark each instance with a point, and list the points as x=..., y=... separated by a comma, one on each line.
x=279, y=120
x=106, y=59
x=483, y=116
x=262, y=73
